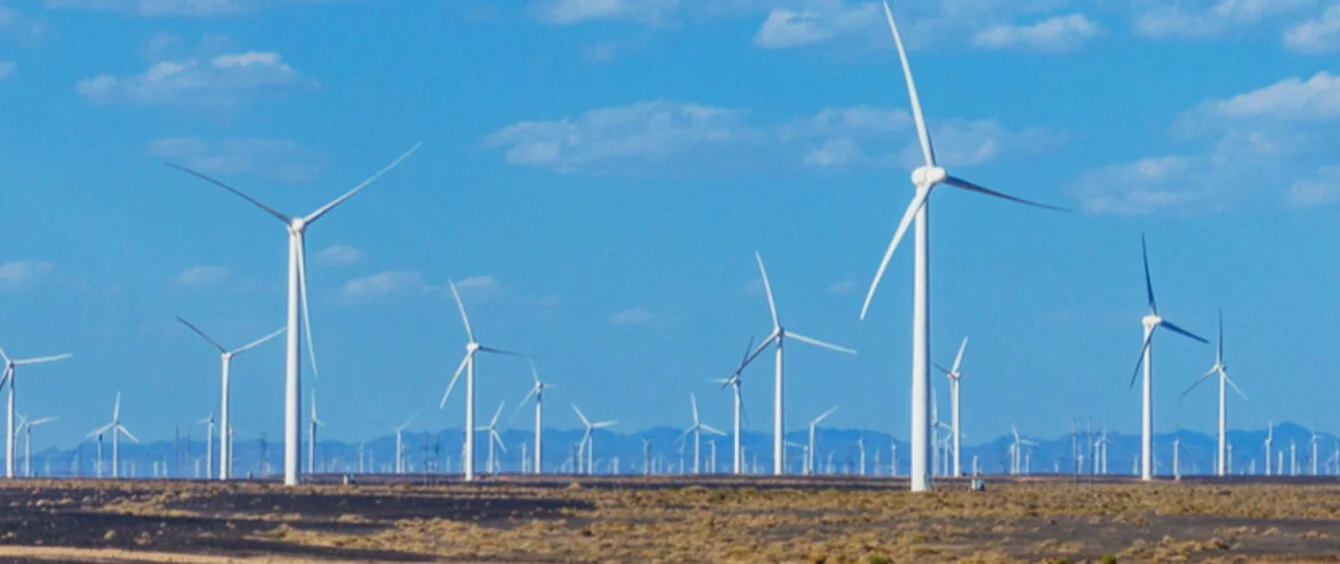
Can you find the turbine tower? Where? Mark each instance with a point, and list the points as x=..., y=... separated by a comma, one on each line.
x=1151, y=322
x=8, y=377
x=954, y=375
x=779, y=335
x=226, y=356
x=1224, y=382
x=537, y=392
x=297, y=294
x=925, y=178
x=809, y=450
x=468, y=366
x=311, y=436
x=399, y=445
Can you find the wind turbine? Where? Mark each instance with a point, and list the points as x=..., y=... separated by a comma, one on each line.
x=1151, y=322
x=399, y=449
x=1270, y=437
x=954, y=375
x=589, y=438
x=1017, y=449
x=492, y=429
x=925, y=178
x=735, y=382
x=1224, y=382
x=11, y=368
x=311, y=436
x=697, y=428
x=297, y=293
x=779, y=335
x=813, y=424
x=537, y=392
x=28, y=425
x=117, y=430
x=468, y=366
x=225, y=454
x=209, y=446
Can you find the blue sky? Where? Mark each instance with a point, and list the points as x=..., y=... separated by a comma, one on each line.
x=598, y=173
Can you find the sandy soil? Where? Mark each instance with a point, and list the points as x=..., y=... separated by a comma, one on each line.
x=662, y=520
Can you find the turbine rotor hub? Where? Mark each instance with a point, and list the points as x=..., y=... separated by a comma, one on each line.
x=929, y=176
x=471, y=347
x=1152, y=320
x=297, y=225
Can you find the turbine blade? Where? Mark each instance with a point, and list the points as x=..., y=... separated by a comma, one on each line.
x=818, y=343
x=116, y=410
x=522, y=404
x=31, y=361
x=235, y=191
x=202, y=334
x=964, y=184
x=4, y=356
x=459, y=370
x=1141, y=361
x=1235, y=387
x=41, y=421
x=1219, y=349
x=1149, y=282
x=958, y=360
x=946, y=371
x=762, y=347
x=126, y=432
x=504, y=352
x=469, y=333
x=908, y=216
x=498, y=438
x=713, y=430
x=306, y=315
x=340, y=200
x=263, y=340
x=99, y=430
x=580, y=416
x=4, y=378
x=693, y=400
x=767, y=288
x=1181, y=331
x=927, y=150
x=535, y=373
x=1197, y=382
x=825, y=415
x=604, y=424
x=497, y=414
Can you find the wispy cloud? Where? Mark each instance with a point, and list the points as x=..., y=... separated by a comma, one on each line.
x=818, y=23
x=482, y=285
x=1320, y=188
x=842, y=288
x=7, y=69
x=1203, y=19
x=26, y=29
x=222, y=81
x=340, y=255
x=21, y=273
x=174, y=8
x=1055, y=35
x=197, y=276
x=567, y=12
x=1316, y=36
x=634, y=316
x=381, y=285
x=274, y=159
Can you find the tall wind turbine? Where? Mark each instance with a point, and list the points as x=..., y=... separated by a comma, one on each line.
x=697, y=428
x=8, y=377
x=925, y=178
x=493, y=438
x=779, y=335
x=954, y=375
x=399, y=448
x=468, y=366
x=226, y=356
x=537, y=392
x=297, y=293
x=1151, y=322
x=28, y=425
x=311, y=436
x=809, y=463
x=734, y=382
x=589, y=438
x=117, y=429
x=1224, y=383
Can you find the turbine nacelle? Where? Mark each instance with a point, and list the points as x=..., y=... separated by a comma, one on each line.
x=927, y=176
x=297, y=225
x=1151, y=321
x=471, y=347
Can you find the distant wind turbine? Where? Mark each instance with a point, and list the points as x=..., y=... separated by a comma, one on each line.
x=697, y=428
x=28, y=425
x=8, y=377
x=117, y=429
x=925, y=178
x=225, y=454
x=209, y=446
x=778, y=336
x=311, y=436
x=734, y=382
x=493, y=438
x=399, y=445
x=954, y=376
x=297, y=293
x=1224, y=382
x=589, y=439
x=537, y=392
x=813, y=425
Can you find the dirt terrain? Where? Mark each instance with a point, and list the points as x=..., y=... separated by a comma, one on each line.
x=665, y=520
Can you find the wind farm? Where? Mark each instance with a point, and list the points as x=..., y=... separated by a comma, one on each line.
x=598, y=257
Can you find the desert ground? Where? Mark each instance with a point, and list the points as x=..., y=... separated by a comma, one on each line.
x=716, y=519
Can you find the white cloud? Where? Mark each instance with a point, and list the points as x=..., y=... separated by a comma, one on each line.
x=340, y=255
x=223, y=81
x=1201, y=19
x=1291, y=99
x=818, y=23
x=1169, y=183
x=28, y=30
x=635, y=316
x=20, y=273
x=482, y=285
x=7, y=69
x=200, y=276
x=1054, y=35
x=382, y=284
x=843, y=287
x=677, y=139
x=1317, y=35
x=567, y=12
x=275, y=159
x=173, y=8
x=1321, y=188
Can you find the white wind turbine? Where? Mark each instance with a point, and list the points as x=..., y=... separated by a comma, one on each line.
x=311, y=436
x=117, y=429
x=1151, y=322
x=1224, y=382
x=28, y=425
x=779, y=335
x=297, y=294
x=226, y=356
x=8, y=377
x=809, y=463
x=468, y=366
x=954, y=375
x=1017, y=449
x=589, y=438
x=925, y=178
x=537, y=392
x=1270, y=437
x=697, y=428
x=735, y=382
x=493, y=438
x=399, y=446
x=209, y=446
